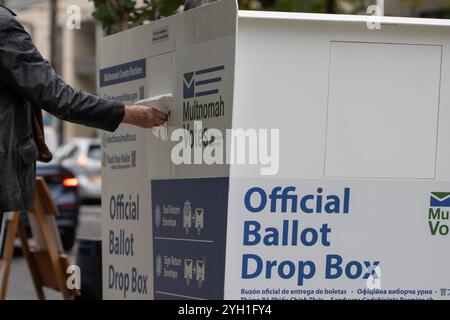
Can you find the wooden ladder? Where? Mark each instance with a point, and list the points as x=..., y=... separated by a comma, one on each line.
x=47, y=266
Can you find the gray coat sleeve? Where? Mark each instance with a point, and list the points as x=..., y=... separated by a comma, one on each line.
x=28, y=74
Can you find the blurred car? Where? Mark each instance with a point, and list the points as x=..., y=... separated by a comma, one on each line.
x=83, y=156
x=63, y=186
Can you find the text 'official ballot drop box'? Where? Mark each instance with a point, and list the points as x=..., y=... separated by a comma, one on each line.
x=354, y=200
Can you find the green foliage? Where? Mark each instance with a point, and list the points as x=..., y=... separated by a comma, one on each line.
x=118, y=15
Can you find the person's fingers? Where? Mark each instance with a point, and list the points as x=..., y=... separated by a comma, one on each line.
x=159, y=114
x=156, y=121
x=144, y=117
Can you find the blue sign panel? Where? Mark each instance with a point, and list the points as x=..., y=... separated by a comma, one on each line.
x=130, y=71
x=189, y=235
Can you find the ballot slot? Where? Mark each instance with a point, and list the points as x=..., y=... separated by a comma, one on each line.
x=161, y=103
x=161, y=96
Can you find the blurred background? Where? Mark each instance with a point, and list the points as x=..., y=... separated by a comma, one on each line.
x=67, y=32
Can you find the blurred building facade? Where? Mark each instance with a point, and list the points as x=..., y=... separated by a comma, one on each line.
x=76, y=48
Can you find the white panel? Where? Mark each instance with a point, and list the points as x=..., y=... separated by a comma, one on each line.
x=285, y=89
x=161, y=75
x=382, y=110
x=127, y=237
x=387, y=222
x=161, y=82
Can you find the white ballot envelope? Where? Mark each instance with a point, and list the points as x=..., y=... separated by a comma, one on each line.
x=162, y=103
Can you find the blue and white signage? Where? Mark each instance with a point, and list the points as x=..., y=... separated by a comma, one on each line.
x=189, y=234
x=340, y=239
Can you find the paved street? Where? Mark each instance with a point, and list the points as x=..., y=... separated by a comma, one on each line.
x=20, y=283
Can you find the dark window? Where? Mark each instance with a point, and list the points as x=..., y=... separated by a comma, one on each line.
x=95, y=152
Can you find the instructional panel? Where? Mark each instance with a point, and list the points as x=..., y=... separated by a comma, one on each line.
x=189, y=233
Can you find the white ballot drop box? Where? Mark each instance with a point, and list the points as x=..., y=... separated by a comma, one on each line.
x=334, y=177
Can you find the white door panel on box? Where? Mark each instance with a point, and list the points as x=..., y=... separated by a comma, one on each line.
x=383, y=110
x=289, y=94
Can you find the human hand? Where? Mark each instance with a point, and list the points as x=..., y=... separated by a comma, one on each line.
x=143, y=117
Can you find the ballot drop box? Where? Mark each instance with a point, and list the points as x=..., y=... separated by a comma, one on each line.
x=318, y=164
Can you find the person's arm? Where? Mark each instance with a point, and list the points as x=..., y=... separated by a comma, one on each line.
x=28, y=74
